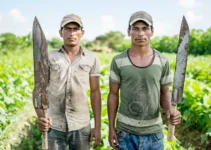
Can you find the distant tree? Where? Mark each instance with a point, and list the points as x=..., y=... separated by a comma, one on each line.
x=124, y=45
x=206, y=43
x=25, y=41
x=55, y=43
x=110, y=39
x=195, y=46
x=165, y=44
x=86, y=44
x=8, y=41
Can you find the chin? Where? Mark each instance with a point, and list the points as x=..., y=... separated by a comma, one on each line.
x=71, y=44
x=141, y=44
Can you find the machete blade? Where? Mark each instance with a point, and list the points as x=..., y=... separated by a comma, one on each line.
x=41, y=66
x=181, y=63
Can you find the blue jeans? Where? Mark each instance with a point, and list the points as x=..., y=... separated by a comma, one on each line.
x=129, y=141
x=75, y=140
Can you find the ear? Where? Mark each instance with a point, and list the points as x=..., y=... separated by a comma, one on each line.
x=152, y=32
x=82, y=33
x=128, y=32
x=60, y=33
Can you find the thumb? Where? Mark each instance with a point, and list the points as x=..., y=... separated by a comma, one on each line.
x=50, y=121
x=168, y=114
x=91, y=137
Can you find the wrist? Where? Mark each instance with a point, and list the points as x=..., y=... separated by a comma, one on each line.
x=97, y=126
x=111, y=127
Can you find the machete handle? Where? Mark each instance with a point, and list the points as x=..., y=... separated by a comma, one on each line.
x=171, y=128
x=45, y=136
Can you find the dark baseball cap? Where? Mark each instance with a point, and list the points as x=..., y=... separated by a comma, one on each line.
x=141, y=16
x=71, y=18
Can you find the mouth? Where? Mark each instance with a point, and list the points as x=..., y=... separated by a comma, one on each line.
x=71, y=39
x=140, y=39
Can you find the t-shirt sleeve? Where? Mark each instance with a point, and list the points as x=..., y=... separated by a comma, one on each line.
x=166, y=75
x=114, y=72
x=95, y=70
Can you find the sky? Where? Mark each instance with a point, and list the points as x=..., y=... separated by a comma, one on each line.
x=102, y=16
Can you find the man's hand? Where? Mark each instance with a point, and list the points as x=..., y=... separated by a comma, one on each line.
x=95, y=136
x=44, y=124
x=113, y=139
x=173, y=118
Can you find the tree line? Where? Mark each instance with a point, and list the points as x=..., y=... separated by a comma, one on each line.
x=200, y=42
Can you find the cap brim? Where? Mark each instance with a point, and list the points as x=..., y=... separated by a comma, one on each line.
x=140, y=19
x=69, y=21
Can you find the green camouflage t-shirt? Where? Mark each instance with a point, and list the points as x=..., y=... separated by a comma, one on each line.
x=139, y=110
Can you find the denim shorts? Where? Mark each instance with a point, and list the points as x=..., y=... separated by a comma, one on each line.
x=129, y=141
x=75, y=140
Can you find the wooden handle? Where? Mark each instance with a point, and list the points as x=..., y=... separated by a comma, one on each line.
x=45, y=136
x=171, y=128
x=44, y=141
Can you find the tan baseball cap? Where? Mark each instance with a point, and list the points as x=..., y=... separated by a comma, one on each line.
x=140, y=16
x=71, y=18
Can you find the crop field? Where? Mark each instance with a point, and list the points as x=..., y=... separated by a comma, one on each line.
x=18, y=128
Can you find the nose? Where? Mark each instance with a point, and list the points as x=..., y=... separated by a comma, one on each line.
x=140, y=33
x=71, y=32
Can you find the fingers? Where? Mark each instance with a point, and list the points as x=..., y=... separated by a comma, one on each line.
x=114, y=142
x=44, y=124
x=97, y=142
x=91, y=137
x=175, y=118
x=174, y=121
x=96, y=138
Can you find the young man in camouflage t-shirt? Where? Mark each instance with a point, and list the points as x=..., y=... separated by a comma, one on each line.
x=143, y=76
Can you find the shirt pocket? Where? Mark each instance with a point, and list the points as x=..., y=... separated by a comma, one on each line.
x=85, y=67
x=55, y=71
x=83, y=73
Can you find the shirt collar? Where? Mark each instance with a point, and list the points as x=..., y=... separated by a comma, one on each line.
x=82, y=52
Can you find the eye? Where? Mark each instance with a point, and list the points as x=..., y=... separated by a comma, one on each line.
x=76, y=28
x=66, y=28
x=145, y=28
x=134, y=28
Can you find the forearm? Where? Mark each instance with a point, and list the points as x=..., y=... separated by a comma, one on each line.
x=40, y=113
x=113, y=102
x=96, y=107
x=165, y=101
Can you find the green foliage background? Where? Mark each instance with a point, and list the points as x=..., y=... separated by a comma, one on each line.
x=18, y=129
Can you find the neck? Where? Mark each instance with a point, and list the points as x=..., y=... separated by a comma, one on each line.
x=72, y=50
x=142, y=51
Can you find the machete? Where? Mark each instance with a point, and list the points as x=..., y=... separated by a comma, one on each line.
x=180, y=69
x=41, y=73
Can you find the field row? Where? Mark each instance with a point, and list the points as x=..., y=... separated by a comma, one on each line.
x=16, y=84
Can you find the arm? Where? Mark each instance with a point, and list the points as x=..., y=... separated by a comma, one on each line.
x=113, y=102
x=165, y=101
x=95, y=96
x=165, y=98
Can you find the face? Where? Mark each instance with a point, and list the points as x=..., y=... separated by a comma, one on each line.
x=140, y=33
x=71, y=34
